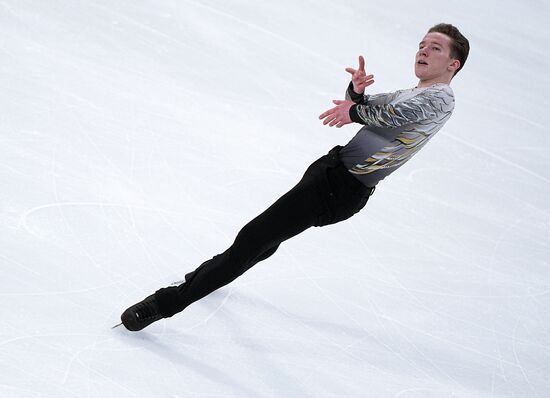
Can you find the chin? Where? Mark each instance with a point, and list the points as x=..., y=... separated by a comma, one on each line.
x=420, y=72
x=420, y=75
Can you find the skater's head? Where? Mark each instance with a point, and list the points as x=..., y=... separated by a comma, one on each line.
x=441, y=54
x=460, y=46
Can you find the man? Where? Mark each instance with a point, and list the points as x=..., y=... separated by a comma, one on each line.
x=337, y=185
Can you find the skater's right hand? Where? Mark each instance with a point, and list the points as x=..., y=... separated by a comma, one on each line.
x=359, y=77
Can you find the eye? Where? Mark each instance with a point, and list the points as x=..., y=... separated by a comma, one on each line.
x=436, y=48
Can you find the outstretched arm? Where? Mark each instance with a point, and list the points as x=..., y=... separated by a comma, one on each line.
x=428, y=104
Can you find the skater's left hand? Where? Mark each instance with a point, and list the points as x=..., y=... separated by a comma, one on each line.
x=339, y=115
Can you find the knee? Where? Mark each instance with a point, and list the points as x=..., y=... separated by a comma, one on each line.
x=268, y=253
x=249, y=244
x=247, y=237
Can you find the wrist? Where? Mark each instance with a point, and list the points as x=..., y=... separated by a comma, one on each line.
x=354, y=96
x=360, y=92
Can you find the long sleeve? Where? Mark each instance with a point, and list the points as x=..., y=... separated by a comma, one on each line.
x=427, y=105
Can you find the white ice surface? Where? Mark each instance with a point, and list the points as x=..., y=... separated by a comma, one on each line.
x=137, y=137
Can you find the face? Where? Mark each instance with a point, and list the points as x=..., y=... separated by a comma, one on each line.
x=433, y=59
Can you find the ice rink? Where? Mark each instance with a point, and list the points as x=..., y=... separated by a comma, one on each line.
x=138, y=137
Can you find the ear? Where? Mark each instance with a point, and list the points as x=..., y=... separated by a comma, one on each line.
x=453, y=66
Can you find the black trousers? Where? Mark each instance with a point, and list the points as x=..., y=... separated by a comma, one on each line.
x=326, y=194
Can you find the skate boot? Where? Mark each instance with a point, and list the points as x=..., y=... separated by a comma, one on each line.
x=141, y=315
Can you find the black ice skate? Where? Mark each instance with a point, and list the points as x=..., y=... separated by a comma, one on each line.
x=141, y=315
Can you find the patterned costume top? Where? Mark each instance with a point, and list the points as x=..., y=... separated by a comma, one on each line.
x=397, y=125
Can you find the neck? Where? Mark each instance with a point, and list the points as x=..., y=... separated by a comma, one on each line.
x=431, y=82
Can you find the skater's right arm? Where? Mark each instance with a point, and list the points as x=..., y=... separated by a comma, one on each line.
x=429, y=105
x=359, y=81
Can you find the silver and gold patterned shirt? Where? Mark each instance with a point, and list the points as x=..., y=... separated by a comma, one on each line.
x=397, y=126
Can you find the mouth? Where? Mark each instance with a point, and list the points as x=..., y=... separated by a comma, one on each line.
x=422, y=62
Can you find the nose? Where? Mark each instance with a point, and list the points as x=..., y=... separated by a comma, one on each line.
x=423, y=51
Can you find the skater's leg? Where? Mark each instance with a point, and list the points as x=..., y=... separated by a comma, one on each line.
x=327, y=194
x=291, y=214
